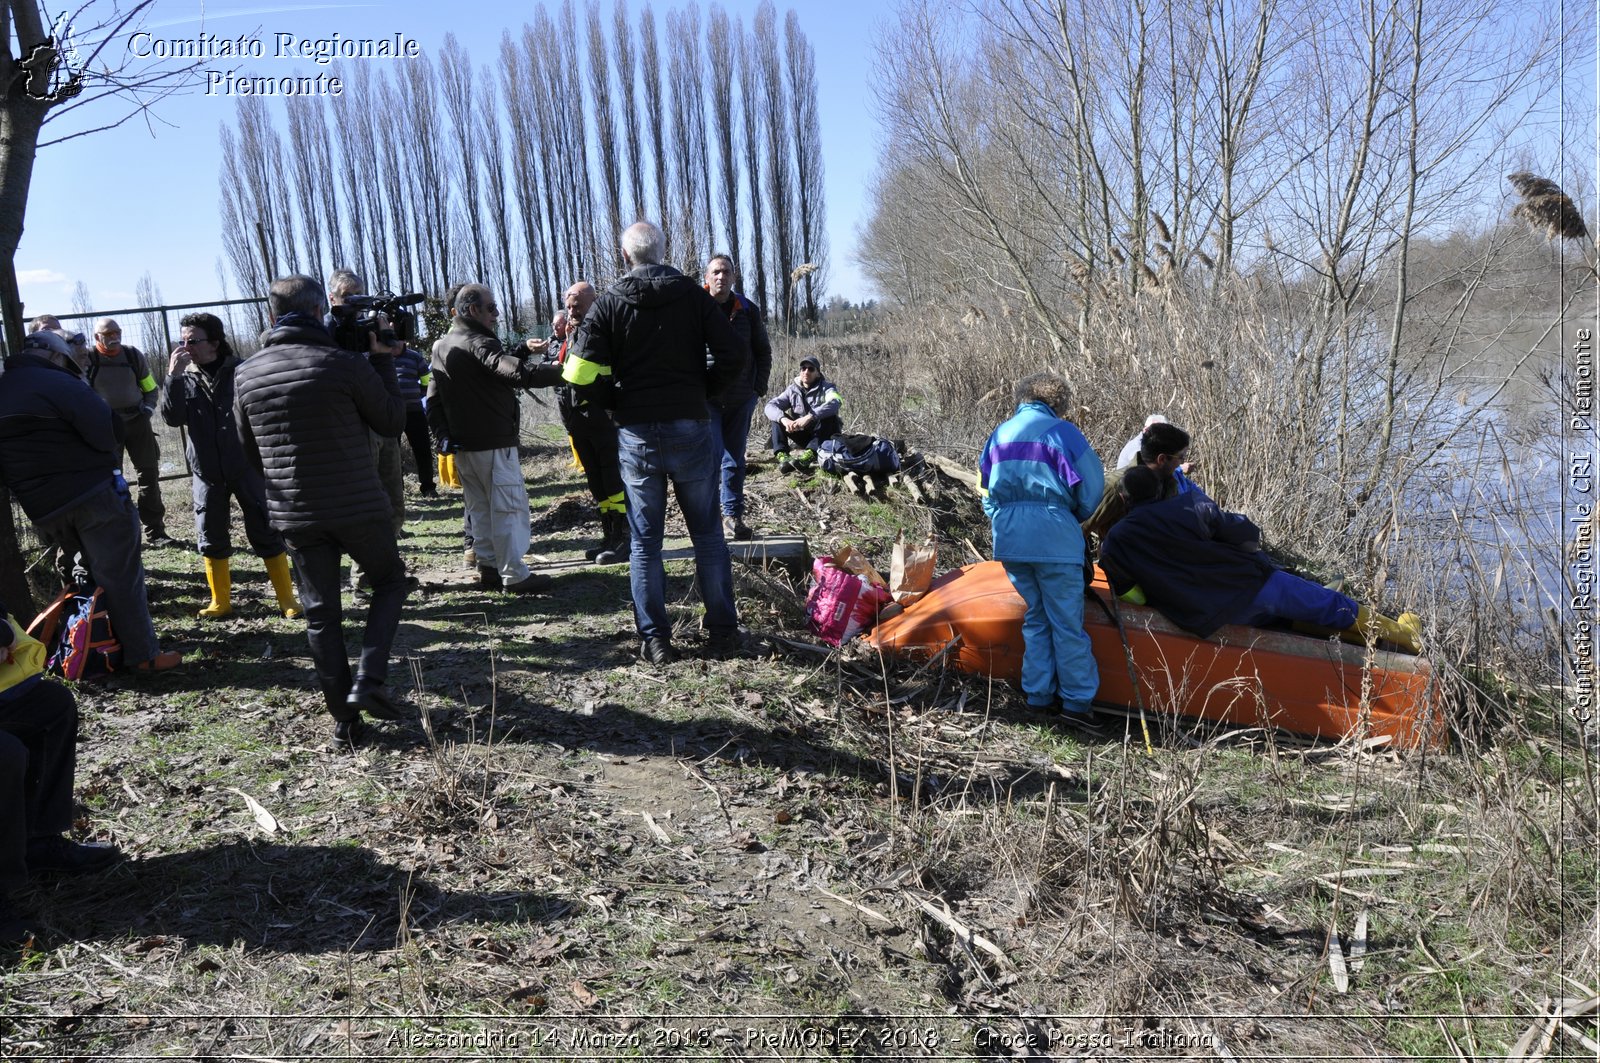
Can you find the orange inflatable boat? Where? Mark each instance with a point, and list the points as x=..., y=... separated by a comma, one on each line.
x=1247, y=676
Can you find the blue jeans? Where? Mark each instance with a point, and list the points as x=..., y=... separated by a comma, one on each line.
x=685, y=452
x=1057, y=657
x=730, y=430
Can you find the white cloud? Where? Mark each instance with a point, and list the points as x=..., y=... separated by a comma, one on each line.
x=40, y=276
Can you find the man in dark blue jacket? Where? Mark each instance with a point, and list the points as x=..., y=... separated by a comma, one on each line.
x=306, y=411
x=58, y=456
x=653, y=349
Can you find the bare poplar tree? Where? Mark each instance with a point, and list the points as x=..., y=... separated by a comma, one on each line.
x=554, y=122
x=606, y=145
x=152, y=335
x=750, y=92
x=519, y=91
x=811, y=225
x=779, y=161
x=426, y=177
x=627, y=100
x=576, y=146
x=396, y=191
x=455, y=76
x=654, y=88
x=307, y=177
x=360, y=141
x=498, y=214
x=721, y=60
x=680, y=224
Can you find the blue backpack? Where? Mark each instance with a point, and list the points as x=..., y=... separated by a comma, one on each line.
x=77, y=636
x=858, y=454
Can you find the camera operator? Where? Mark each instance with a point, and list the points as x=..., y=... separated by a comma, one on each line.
x=306, y=411
x=472, y=407
x=343, y=285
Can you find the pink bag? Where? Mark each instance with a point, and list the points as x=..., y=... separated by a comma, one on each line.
x=841, y=604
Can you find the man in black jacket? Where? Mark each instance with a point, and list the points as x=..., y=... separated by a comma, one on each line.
x=305, y=411
x=473, y=410
x=58, y=457
x=654, y=348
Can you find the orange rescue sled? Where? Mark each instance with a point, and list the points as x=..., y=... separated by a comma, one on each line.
x=1241, y=675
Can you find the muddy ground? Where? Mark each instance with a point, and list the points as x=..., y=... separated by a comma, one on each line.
x=794, y=854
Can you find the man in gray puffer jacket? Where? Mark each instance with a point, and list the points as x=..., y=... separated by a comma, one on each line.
x=304, y=410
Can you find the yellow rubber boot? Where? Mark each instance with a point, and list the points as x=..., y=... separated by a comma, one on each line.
x=220, y=580
x=282, y=585
x=1405, y=632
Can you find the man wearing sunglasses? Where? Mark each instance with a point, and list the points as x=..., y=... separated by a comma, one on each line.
x=803, y=415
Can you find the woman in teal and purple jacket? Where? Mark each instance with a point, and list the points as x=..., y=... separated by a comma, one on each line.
x=1040, y=478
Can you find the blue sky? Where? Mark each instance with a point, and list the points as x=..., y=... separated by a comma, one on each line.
x=108, y=207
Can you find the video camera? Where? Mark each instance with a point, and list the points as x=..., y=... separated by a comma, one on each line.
x=357, y=318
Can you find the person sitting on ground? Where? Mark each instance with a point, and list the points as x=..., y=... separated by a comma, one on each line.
x=1202, y=567
x=803, y=414
x=198, y=396
x=1164, y=450
x=38, y=757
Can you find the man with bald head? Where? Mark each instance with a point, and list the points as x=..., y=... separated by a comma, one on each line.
x=120, y=375
x=594, y=440
x=653, y=349
x=473, y=411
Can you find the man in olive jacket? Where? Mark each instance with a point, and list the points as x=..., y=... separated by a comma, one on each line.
x=305, y=410
x=473, y=411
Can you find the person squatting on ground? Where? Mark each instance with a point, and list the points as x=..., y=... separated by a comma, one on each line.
x=58, y=458
x=594, y=440
x=1202, y=567
x=473, y=409
x=306, y=411
x=731, y=411
x=1164, y=450
x=198, y=396
x=1039, y=479
x=652, y=350
x=121, y=375
x=804, y=414
x=412, y=372
x=38, y=758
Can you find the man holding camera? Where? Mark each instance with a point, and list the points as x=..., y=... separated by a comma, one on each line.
x=473, y=410
x=306, y=411
x=342, y=284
